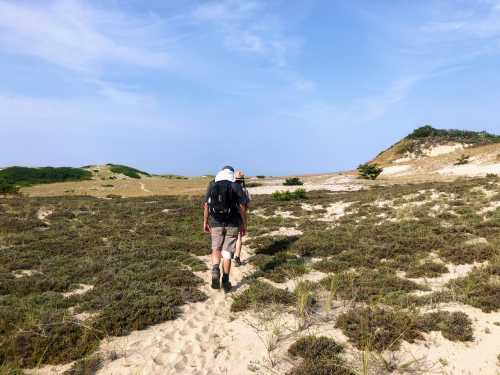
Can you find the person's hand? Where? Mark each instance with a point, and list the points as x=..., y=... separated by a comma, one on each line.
x=206, y=228
x=243, y=231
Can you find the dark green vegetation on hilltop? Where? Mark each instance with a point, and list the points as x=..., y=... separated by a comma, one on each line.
x=126, y=170
x=137, y=254
x=427, y=136
x=14, y=177
x=454, y=135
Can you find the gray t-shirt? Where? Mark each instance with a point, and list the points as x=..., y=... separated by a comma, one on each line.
x=234, y=219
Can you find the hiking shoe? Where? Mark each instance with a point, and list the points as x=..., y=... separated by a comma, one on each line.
x=226, y=285
x=215, y=278
x=237, y=260
x=215, y=282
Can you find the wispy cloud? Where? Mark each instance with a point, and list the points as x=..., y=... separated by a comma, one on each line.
x=248, y=26
x=481, y=21
x=77, y=36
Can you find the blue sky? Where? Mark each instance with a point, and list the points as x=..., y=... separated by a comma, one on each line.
x=272, y=87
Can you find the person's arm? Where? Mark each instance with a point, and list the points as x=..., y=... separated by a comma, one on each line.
x=206, y=226
x=243, y=214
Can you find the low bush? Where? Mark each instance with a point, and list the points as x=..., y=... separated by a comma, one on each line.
x=261, y=294
x=13, y=177
x=427, y=269
x=480, y=288
x=453, y=135
x=369, y=285
x=171, y=176
x=86, y=366
x=292, y=181
x=315, y=348
x=289, y=195
x=278, y=267
x=455, y=326
x=7, y=188
x=379, y=329
x=321, y=356
x=126, y=170
x=369, y=171
x=462, y=160
x=252, y=184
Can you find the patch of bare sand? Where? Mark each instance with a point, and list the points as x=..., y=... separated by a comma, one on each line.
x=460, y=358
x=396, y=169
x=205, y=339
x=335, y=211
x=455, y=271
x=471, y=169
x=338, y=182
x=285, y=231
x=43, y=213
x=82, y=289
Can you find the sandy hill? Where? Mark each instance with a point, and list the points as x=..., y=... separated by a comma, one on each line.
x=434, y=154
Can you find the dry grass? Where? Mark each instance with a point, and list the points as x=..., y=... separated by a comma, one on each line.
x=124, y=187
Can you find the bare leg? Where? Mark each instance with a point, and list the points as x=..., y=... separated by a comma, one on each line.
x=238, y=246
x=226, y=265
x=216, y=255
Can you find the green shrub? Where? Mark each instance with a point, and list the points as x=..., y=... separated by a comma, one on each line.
x=369, y=285
x=86, y=366
x=260, y=294
x=289, y=195
x=126, y=170
x=261, y=176
x=7, y=188
x=455, y=326
x=292, y=181
x=252, y=184
x=378, y=329
x=321, y=356
x=369, y=171
x=453, y=135
x=427, y=269
x=315, y=348
x=171, y=176
x=479, y=288
x=25, y=176
x=463, y=159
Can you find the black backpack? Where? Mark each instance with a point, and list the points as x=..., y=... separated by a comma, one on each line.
x=221, y=203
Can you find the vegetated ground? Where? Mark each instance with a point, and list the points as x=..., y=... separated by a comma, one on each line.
x=401, y=279
x=113, y=180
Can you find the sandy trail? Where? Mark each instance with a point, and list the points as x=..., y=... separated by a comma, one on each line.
x=143, y=188
x=205, y=339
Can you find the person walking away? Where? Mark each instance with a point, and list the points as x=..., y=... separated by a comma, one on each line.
x=240, y=179
x=224, y=217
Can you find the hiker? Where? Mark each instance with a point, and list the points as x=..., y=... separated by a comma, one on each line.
x=240, y=179
x=224, y=217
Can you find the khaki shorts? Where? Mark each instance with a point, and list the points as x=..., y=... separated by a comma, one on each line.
x=224, y=238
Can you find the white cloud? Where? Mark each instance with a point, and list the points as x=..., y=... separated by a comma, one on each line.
x=482, y=21
x=248, y=27
x=74, y=35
